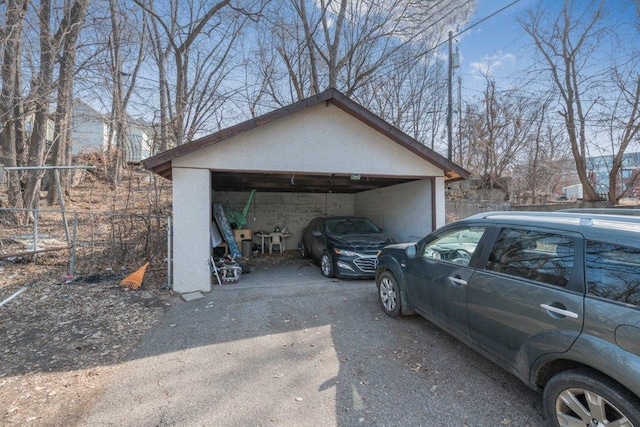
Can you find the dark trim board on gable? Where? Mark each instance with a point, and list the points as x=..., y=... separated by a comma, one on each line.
x=161, y=163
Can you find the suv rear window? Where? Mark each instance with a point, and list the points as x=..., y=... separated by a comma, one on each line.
x=613, y=272
x=535, y=255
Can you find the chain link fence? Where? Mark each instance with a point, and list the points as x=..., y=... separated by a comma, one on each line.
x=89, y=243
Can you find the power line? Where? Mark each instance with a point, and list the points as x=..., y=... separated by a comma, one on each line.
x=422, y=54
x=487, y=17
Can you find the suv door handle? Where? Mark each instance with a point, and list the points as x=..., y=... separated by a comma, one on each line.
x=457, y=281
x=565, y=313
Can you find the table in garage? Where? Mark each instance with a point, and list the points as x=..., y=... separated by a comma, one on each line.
x=263, y=236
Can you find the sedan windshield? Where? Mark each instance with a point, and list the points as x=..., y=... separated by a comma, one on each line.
x=351, y=226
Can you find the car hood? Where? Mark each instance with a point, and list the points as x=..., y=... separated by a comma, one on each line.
x=361, y=240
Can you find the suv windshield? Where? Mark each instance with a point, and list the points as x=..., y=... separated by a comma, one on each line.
x=351, y=226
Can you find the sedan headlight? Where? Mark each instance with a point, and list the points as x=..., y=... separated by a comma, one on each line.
x=345, y=252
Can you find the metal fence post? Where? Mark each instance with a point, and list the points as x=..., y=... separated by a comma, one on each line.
x=35, y=234
x=169, y=252
x=56, y=175
x=72, y=258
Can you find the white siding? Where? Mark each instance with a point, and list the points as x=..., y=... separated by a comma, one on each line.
x=89, y=131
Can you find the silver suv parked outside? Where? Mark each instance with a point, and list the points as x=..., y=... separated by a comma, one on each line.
x=553, y=298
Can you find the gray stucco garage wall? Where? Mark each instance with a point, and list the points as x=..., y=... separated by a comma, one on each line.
x=320, y=139
x=291, y=210
x=191, y=222
x=403, y=211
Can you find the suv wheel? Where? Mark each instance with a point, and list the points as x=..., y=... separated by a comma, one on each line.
x=583, y=397
x=389, y=294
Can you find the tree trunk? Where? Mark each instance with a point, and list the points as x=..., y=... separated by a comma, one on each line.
x=68, y=36
x=11, y=109
x=630, y=133
x=42, y=94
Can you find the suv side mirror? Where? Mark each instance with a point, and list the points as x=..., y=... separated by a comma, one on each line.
x=316, y=233
x=412, y=251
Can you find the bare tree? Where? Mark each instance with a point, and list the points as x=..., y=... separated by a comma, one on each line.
x=51, y=55
x=498, y=131
x=123, y=41
x=624, y=128
x=539, y=173
x=12, y=137
x=568, y=43
x=412, y=98
x=41, y=93
x=351, y=45
x=194, y=43
x=66, y=38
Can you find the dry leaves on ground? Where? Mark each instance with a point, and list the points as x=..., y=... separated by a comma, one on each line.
x=60, y=341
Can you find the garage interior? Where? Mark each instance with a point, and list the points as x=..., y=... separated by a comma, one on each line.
x=289, y=201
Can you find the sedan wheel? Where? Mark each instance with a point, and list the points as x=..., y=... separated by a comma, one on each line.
x=326, y=265
x=583, y=397
x=389, y=294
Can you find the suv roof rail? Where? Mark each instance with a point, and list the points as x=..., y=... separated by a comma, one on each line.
x=582, y=214
x=604, y=211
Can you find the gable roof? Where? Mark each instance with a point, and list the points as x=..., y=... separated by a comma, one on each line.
x=161, y=163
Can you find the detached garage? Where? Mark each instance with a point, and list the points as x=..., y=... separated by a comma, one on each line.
x=325, y=155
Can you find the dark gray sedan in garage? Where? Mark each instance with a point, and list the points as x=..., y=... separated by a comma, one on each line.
x=344, y=246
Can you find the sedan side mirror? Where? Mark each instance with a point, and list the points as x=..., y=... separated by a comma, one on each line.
x=412, y=251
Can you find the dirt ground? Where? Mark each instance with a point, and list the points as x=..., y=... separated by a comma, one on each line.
x=63, y=335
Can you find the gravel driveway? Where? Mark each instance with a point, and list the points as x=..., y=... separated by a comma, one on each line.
x=285, y=346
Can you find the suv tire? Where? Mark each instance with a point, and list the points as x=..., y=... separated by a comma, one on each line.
x=581, y=397
x=389, y=294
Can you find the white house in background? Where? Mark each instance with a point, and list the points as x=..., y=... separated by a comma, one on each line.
x=139, y=144
x=90, y=132
x=29, y=121
x=89, y=129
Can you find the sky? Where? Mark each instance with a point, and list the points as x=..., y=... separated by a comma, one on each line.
x=494, y=45
x=499, y=44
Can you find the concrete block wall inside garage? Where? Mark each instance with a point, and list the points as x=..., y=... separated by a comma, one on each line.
x=403, y=211
x=291, y=210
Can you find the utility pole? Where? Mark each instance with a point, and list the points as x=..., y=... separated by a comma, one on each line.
x=453, y=63
x=450, y=101
x=460, y=121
